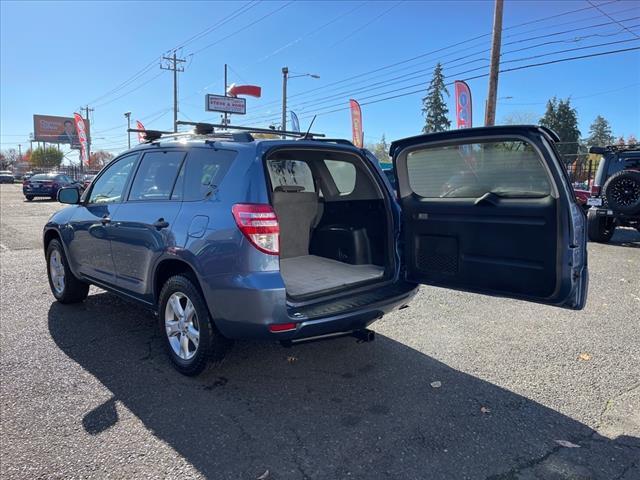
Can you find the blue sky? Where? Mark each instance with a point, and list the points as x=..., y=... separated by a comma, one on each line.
x=58, y=56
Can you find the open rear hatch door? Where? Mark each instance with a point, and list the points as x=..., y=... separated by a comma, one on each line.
x=491, y=210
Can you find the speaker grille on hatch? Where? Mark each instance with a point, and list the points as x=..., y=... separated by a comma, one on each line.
x=437, y=255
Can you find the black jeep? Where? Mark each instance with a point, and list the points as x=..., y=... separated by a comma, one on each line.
x=615, y=192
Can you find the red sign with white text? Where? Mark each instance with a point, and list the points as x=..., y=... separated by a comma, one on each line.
x=356, y=123
x=82, y=137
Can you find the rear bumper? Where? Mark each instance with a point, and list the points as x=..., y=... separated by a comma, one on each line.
x=40, y=192
x=246, y=311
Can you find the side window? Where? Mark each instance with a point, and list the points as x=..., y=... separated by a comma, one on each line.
x=109, y=188
x=343, y=174
x=156, y=175
x=204, y=169
x=291, y=173
x=506, y=168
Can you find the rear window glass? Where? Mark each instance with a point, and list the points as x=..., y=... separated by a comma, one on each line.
x=506, y=168
x=291, y=173
x=202, y=172
x=156, y=175
x=42, y=176
x=343, y=174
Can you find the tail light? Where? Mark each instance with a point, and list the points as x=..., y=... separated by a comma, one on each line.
x=258, y=222
x=595, y=190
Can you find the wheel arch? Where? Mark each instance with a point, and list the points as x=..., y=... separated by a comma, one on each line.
x=169, y=267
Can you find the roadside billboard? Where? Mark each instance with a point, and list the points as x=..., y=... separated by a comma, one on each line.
x=51, y=129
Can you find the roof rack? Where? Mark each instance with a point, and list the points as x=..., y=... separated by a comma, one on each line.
x=210, y=128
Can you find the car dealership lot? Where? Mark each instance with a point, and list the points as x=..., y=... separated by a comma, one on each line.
x=456, y=386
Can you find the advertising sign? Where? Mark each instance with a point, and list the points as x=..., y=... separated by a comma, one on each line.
x=356, y=123
x=140, y=126
x=295, y=123
x=463, y=104
x=82, y=137
x=51, y=129
x=220, y=103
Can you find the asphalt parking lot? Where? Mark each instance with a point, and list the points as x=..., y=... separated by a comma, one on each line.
x=456, y=386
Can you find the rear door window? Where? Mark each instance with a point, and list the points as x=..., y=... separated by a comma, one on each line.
x=291, y=173
x=156, y=175
x=202, y=172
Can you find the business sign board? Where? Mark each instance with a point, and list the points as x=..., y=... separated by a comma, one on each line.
x=220, y=103
x=50, y=129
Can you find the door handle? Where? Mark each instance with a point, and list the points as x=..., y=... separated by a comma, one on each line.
x=105, y=220
x=160, y=224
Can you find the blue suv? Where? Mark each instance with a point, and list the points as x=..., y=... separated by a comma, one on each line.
x=228, y=237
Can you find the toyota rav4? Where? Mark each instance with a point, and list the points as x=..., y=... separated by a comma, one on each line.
x=228, y=237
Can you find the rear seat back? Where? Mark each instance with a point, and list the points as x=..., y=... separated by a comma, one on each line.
x=297, y=211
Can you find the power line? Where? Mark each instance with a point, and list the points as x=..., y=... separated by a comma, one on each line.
x=521, y=67
x=319, y=103
x=611, y=18
x=244, y=28
x=438, y=50
x=581, y=96
x=365, y=25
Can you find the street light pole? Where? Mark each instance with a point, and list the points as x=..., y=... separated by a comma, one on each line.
x=285, y=75
x=285, y=78
x=128, y=116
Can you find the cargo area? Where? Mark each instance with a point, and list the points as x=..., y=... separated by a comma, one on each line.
x=334, y=226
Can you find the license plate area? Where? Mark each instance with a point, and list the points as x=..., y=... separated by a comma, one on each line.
x=594, y=202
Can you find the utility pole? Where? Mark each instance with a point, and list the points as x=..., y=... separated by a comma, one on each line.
x=285, y=75
x=490, y=110
x=225, y=120
x=173, y=66
x=128, y=117
x=86, y=116
x=20, y=152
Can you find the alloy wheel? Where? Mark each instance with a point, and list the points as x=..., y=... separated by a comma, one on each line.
x=56, y=270
x=181, y=326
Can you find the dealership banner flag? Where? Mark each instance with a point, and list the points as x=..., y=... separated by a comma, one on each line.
x=140, y=126
x=356, y=123
x=82, y=137
x=295, y=123
x=463, y=104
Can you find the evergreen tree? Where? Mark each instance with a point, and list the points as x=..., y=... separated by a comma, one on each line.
x=600, y=133
x=434, y=108
x=562, y=118
x=381, y=150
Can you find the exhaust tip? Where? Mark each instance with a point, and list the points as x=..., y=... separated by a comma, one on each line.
x=364, y=336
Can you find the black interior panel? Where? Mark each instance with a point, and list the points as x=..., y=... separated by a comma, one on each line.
x=355, y=215
x=507, y=246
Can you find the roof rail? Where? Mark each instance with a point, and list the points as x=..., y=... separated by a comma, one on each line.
x=210, y=128
x=339, y=141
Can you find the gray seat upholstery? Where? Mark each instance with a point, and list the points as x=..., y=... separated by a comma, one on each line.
x=296, y=211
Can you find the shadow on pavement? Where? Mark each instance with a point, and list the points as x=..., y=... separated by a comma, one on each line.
x=626, y=237
x=330, y=410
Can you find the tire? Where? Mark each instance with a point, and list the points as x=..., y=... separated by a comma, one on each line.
x=29, y=197
x=600, y=229
x=65, y=286
x=179, y=331
x=623, y=192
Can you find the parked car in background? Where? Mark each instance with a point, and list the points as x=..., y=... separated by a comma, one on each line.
x=230, y=237
x=86, y=180
x=47, y=185
x=27, y=175
x=6, y=176
x=614, y=199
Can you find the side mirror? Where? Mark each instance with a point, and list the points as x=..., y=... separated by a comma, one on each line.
x=69, y=195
